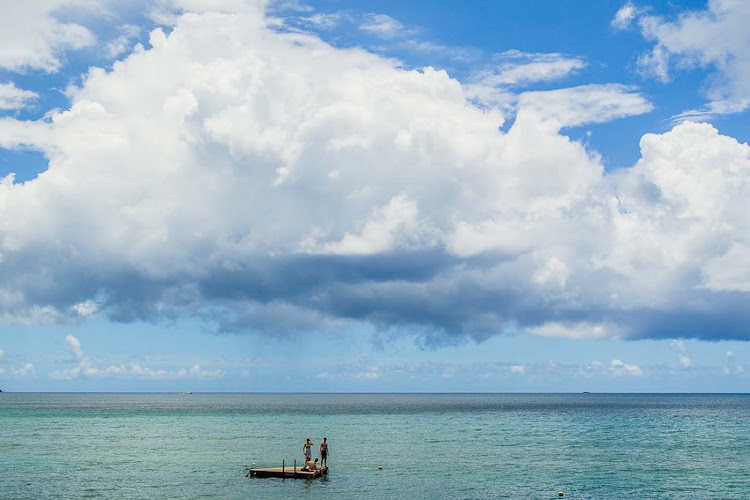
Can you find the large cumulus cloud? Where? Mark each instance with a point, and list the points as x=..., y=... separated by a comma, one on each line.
x=266, y=181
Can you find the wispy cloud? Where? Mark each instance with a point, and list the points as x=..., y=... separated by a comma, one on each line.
x=715, y=38
x=371, y=369
x=513, y=70
x=26, y=370
x=85, y=367
x=123, y=42
x=324, y=21
x=11, y=97
x=73, y=345
x=620, y=368
x=390, y=33
x=574, y=330
x=85, y=309
x=594, y=103
x=451, y=52
x=679, y=347
x=292, y=5
x=516, y=68
x=731, y=366
x=625, y=16
x=385, y=26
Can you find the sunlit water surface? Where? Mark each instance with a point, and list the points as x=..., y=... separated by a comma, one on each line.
x=429, y=445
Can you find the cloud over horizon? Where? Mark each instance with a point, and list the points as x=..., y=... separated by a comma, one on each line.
x=85, y=367
x=267, y=181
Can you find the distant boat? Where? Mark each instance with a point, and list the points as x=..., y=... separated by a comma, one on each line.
x=586, y=392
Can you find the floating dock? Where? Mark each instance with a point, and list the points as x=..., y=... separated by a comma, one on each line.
x=290, y=472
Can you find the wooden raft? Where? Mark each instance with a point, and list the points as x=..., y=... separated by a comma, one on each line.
x=292, y=472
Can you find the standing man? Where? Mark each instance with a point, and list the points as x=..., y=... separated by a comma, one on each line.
x=324, y=453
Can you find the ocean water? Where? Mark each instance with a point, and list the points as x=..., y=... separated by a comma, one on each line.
x=431, y=446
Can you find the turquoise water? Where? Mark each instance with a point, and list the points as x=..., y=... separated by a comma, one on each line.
x=430, y=445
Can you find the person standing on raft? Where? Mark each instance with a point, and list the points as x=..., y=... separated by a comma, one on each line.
x=307, y=449
x=324, y=453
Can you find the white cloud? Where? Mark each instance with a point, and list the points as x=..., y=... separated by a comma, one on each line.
x=26, y=370
x=585, y=104
x=370, y=373
x=516, y=69
x=74, y=346
x=655, y=64
x=454, y=53
x=679, y=209
x=731, y=367
x=141, y=372
x=229, y=6
x=280, y=180
x=716, y=38
x=2, y=354
x=16, y=134
x=391, y=226
x=294, y=5
x=122, y=43
x=729, y=271
x=574, y=331
x=85, y=308
x=366, y=369
x=384, y=26
x=11, y=97
x=540, y=71
x=520, y=68
x=325, y=21
x=624, y=17
x=197, y=372
x=551, y=271
x=685, y=361
x=85, y=368
x=618, y=369
x=391, y=33
x=679, y=346
x=31, y=37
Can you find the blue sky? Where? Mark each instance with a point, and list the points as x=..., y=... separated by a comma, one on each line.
x=346, y=196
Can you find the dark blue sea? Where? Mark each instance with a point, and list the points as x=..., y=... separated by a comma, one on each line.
x=430, y=446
